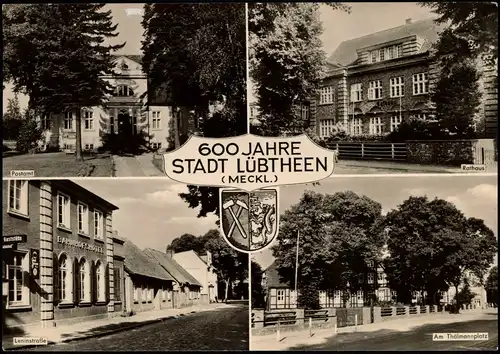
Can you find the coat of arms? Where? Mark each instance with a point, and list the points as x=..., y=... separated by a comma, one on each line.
x=249, y=220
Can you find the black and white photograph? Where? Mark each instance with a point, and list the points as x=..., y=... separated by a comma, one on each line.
x=117, y=265
x=391, y=87
x=380, y=263
x=103, y=90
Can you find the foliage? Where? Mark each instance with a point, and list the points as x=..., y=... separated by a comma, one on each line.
x=286, y=61
x=465, y=295
x=51, y=49
x=339, y=233
x=258, y=293
x=491, y=286
x=473, y=26
x=30, y=133
x=187, y=242
x=417, y=129
x=432, y=245
x=123, y=143
x=457, y=99
x=12, y=119
x=197, y=52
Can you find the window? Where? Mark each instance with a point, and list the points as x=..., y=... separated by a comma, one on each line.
x=326, y=95
x=118, y=283
x=65, y=279
x=359, y=295
x=391, y=52
x=100, y=281
x=136, y=294
x=150, y=295
x=63, y=208
x=83, y=219
x=375, y=90
x=69, y=147
x=397, y=86
x=156, y=121
x=326, y=127
x=357, y=128
x=169, y=295
x=395, y=122
x=373, y=57
x=89, y=147
x=304, y=112
x=88, y=120
x=381, y=53
x=123, y=91
x=370, y=278
x=375, y=125
x=281, y=295
x=420, y=84
x=18, y=197
x=17, y=268
x=84, y=280
x=68, y=121
x=45, y=122
x=421, y=116
x=399, y=51
x=356, y=92
x=98, y=225
x=144, y=294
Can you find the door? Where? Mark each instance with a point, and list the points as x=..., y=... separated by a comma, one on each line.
x=124, y=124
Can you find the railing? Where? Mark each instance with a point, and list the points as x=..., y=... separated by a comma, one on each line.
x=413, y=310
x=370, y=150
x=400, y=311
x=386, y=312
x=422, y=309
x=283, y=318
x=431, y=309
x=316, y=315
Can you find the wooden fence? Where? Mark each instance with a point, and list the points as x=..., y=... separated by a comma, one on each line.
x=370, y=151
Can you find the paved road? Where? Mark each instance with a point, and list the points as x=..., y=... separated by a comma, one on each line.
x=416, y=339
x=223, y=329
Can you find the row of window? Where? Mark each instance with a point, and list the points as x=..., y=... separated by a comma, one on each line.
x=420, y=86
x=376, y=124
x=386, y=53
x=145, y=293
x=88, y=121
x=18, y=204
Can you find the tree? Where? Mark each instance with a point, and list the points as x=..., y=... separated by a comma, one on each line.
x=197, y=53
x=286, y=61
x=432, y=246
x=258, y=293
x=12, y=119
x=186, y=242
x=30, y=133
x=55, y=54
x=491, y=286
x=465, y=295
x=339, y=234
x=471, y=23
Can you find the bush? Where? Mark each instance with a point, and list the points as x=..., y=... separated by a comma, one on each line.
x=11, y=128
x=118, y=144
x=30, y=134
x=419, y=129
x=308, y=297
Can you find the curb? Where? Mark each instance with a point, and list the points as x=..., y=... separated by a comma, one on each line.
x=107, y=333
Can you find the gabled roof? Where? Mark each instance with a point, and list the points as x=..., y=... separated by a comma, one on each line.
x=171, y=266
x=136, y=58
x=136, y=262
x=273, y=279
x=345, y=54
x=203, y=258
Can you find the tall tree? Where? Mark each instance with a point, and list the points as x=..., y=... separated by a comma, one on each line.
x=258, y=295
x=55, y=54
x=197, y=52
x=286, y=61
x=12, y=119
x=491, y=286
x=186, y=242
x=339, y=234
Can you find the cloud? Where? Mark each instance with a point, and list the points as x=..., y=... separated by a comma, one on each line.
x=167, y=196
x=415, y=192
x=208, y=220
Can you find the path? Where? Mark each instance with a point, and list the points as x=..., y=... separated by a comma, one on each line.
x=136, y=166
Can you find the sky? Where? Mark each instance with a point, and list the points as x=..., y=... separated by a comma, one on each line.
x=150, y=214
x=475, y=196
x=365, y=18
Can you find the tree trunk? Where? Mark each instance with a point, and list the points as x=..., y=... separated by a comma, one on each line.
x=457, y=297
x=176, y=127
x=227, y=290
x=79, y=155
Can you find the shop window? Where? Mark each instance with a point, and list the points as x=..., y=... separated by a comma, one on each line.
x=83, y=219
x=17, y=278
x=65, y=279
x=63, y=208
x=98, y=225
x=18, y=197
x=84, y=280
x=100, y=281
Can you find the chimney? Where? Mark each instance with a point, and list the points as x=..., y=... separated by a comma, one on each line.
x=408, y=21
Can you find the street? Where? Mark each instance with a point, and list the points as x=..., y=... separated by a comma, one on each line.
x=419, y=338
x=223, y=329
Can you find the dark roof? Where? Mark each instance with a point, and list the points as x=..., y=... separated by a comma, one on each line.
x=273, y=280
x=136, y=58
x=171, y=266
x=76, y=189
x=136, y=262
x=345, y=53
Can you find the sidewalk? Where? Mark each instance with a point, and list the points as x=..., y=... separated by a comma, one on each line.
x=302, y=337
x=106, y=326
x=146, y=162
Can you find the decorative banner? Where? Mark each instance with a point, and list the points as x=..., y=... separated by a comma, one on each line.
x=35, y=263
x=249, y=162
x=249, y=220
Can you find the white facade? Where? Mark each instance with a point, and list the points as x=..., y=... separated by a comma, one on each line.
x=126, y=108
x=201, y=269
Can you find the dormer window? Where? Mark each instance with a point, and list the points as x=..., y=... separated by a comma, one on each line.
x=386, y=53
x=123, y=91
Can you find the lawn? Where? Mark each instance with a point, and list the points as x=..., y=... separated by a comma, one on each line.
x=158, y=162
x=59, y=164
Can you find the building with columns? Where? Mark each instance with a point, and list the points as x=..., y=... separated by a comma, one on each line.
x=125, y=112
x=64, y=263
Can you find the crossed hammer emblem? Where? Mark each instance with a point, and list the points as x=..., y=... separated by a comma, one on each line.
x=236, y=221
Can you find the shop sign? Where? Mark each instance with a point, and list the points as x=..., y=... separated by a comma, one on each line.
x=79, y=244
x=13, y=239
x=35, y=263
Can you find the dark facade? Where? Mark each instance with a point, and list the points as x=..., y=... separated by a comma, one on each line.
x=69, y=241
